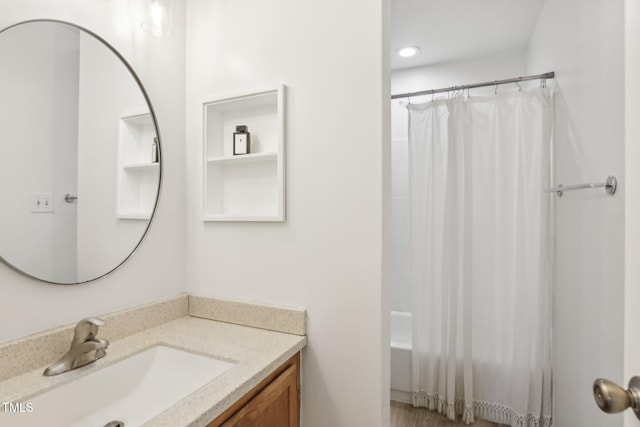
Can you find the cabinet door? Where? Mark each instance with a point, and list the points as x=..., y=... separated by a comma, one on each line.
x=275, y=406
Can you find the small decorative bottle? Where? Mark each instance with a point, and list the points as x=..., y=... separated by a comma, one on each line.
x=241, y=141
x=154, y=151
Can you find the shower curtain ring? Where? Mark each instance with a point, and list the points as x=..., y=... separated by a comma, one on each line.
x=518, y=84
x=495, y=92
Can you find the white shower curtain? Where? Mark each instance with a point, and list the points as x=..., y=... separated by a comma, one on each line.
x=481, y=256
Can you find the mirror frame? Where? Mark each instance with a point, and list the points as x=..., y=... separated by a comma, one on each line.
x=155, y=126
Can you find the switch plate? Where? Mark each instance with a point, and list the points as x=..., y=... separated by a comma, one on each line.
x=41, y=203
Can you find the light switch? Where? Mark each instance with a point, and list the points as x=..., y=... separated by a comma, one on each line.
x=41, y=203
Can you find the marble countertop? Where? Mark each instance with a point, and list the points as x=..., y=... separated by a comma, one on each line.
x=256, y=352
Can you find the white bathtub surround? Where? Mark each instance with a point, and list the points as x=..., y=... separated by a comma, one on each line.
x=480, y=256
x=401, y=356
x=401, y=329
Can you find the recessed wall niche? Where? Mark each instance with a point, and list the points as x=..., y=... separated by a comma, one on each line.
x=244, y=187
x=138, y=166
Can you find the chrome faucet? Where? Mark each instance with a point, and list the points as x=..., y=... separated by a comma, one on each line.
x=85, y=347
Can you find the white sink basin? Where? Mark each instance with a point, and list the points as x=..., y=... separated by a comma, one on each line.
x=132, y=391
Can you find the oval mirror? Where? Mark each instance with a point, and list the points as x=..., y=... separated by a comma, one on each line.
x=80, y=167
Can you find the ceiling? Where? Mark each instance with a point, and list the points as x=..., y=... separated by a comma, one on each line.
x=452, y=30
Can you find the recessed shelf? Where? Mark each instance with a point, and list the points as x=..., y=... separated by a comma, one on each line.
x=133, y=215
x=141, y=166
x=137, y=175
x=141, y=119
x=248, y=187
x=230, y=217
x=245, y=158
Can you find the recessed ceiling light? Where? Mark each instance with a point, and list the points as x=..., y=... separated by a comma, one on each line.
x=408, y=52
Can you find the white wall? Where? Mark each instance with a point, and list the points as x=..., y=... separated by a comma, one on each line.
x=157, y=269
x=327, y=256
x=502, y=66
x=583, y=42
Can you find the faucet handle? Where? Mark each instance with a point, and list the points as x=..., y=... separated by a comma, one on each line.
x=88, y=352
x=86, y=329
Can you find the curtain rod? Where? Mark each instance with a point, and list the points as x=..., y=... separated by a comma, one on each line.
x=543, y=76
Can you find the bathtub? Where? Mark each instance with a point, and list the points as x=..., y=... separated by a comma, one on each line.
x=401, y=356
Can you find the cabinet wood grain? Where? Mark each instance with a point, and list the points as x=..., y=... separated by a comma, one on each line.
x=275, y=402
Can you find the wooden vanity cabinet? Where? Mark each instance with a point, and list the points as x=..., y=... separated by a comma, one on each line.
x=275, y=402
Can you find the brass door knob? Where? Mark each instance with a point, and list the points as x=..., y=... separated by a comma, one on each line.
x=612, y=398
